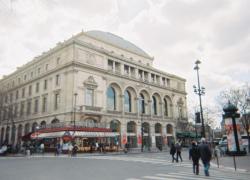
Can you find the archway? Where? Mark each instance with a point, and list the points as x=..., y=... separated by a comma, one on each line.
x=146, y=135
x=158, y=136
x=131, y=134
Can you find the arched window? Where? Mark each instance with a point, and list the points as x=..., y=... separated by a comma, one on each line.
x=2, y=134
x=115, y=126
x=169, y=129
x=34, y=126
x=7, y=135
x=27, y=128
x=43, y=124
x=127, y=101
x=165, y=107
x=13, y=134
x=20, y=131
x=142, y=103
x=111, y=98
x=154, y=105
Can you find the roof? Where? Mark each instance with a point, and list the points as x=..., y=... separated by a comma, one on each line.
x=117, y=41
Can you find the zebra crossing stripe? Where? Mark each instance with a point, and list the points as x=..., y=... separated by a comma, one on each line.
x=216, y=176
x=180, y=176
x=156, y=178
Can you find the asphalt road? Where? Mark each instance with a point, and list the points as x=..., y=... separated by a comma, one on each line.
x=106, y=167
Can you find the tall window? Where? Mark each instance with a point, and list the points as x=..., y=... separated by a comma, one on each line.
x=44, y=108
x=17, y=94
x=45, y=84
x=154, y=105
x=30, y=90
x=15, y=110
x=57, y=80
x=36, y=106
x=22, y=109
x=111, y=98
x=142, y=103
x=165, y=107
x=127, y=101
x=89, y=97
x=28, y=107
x=37, y=87
x=57, y=100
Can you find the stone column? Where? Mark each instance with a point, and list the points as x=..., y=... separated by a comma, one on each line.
x=152, y=136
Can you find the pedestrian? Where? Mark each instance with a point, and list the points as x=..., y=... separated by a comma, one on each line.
x=173, y=151
x=178, y=151
x=96, y=146
x=74, y=150
x=70, y=149
x=206, y=155
x=194, y=154
x=42, y=148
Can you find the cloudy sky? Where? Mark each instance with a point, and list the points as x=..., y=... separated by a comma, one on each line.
x=175, y=32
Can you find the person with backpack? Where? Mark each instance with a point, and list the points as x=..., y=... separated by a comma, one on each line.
x=178, y=151
x=194, y=154
x=172, y=152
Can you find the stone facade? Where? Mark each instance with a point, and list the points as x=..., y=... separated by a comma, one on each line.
x=73, y=82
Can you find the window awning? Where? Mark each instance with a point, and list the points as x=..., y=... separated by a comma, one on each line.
x=38, y=135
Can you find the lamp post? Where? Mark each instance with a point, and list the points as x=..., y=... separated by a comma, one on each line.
x=74, y=112
x=141, y=132
x=200, y=91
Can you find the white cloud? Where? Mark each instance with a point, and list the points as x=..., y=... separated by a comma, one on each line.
x=175, y=32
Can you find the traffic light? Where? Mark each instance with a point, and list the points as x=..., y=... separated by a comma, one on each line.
x=197, y=117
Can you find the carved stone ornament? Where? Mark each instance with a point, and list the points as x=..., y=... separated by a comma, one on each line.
x=90, y=82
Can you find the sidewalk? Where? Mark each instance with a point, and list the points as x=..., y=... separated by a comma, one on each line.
x=242, y=162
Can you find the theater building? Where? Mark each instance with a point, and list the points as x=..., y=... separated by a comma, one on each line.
x=94, y=79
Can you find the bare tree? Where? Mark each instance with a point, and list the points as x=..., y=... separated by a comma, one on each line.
x=240, y=97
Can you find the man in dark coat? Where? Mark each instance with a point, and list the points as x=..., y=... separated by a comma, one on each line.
x=178, y=151
x=194, y=154
x=173, y=151
x=206, y=155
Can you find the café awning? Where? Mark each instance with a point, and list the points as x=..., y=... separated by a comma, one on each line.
x=59, y=134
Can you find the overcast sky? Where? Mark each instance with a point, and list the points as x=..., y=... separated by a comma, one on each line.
x=175, y=32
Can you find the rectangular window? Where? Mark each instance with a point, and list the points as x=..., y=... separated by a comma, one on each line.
x=57, y=101
x=25, y=77
x=36, y=106
x=22, y=109
x=47, y=67
x=11, y=97
x=30, y=90
x=126, y=70
x=6, y=98
x=45, y=84
x=17, y=95
x=140, y=74
x=31, y=75
x=19, y=80
x=38, y=70
x=28, y=107
x=44, y=104
x=110, y=64
x=58, y=61
x=89, y=97
x=57, y=80
x=168, y=82
x=23, y=92
x=37, y=87
x=16, y=110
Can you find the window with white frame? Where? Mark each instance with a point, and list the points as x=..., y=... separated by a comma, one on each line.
x=89, y=97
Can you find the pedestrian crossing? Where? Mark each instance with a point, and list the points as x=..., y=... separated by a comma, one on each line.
x=187, y=175
x=142, y=160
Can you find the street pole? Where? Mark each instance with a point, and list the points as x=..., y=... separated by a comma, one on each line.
x=74, y=113
x=141, y=132
x=200, y=92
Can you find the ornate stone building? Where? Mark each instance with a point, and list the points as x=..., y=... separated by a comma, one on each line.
x=94, y=77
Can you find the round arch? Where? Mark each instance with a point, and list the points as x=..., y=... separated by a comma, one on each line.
x=2, y=135
x=114, y=92
x=43, y=124
x=167, y=106
x=131, y=134
x=34, y=127
x=115, y=126
x=144, y=99
x=26, y=128
x=130, y=105
x=13, y=134
x=170, y=129
x=156, y=104
x=19, y=132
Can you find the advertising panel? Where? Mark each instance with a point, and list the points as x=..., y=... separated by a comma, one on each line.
x=231, y=141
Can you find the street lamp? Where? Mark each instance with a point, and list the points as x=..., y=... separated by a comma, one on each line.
x=74, y=112
x=200, y=91
x=141, y=132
